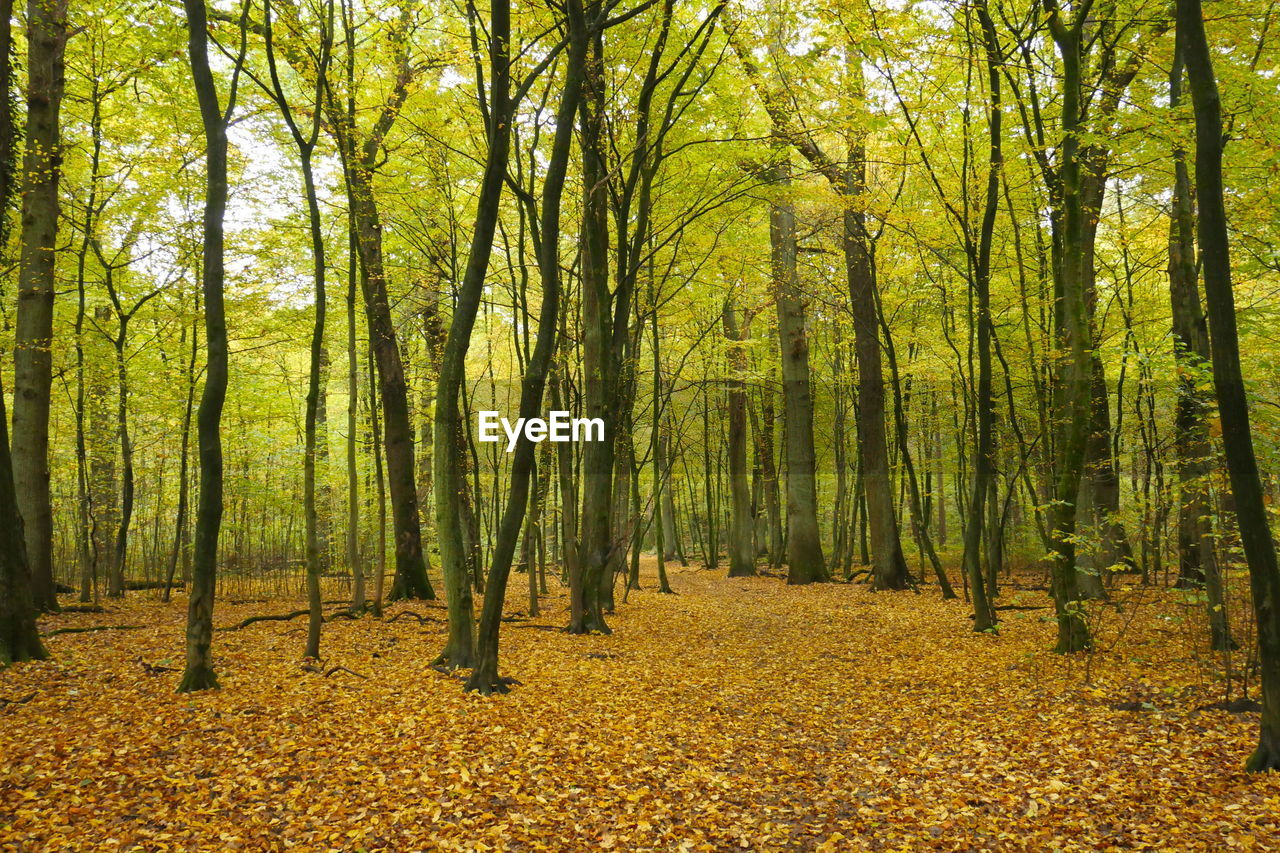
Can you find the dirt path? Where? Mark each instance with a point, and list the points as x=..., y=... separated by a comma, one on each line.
x=739, y=714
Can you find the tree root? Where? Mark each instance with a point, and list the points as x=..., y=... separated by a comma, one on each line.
x=200, y=678
x=489, y=686
x=1267, y=755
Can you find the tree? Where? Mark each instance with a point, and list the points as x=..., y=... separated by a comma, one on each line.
x=459, y=650
x=742, y=562
x=1197, y=560
x=485, y=677
x=33, y=356
x=199, y=674
x=306, y=145
x=1228, y=380
x=1072, y=395
x=19, y=637
x=360, y=158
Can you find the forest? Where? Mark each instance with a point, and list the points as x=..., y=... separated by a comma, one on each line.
x=639, y=424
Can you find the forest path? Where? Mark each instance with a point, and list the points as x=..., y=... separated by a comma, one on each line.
x=738, y=714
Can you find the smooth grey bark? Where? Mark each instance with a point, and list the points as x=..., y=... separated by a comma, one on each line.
x=805, y=561
x=19, y=636
x=741, y=551
x=33, y=333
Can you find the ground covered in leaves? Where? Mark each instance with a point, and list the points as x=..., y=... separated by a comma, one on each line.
x=738, y=714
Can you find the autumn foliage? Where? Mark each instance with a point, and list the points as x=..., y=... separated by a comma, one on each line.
x=740, y=714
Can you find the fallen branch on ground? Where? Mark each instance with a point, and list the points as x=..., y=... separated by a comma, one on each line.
x=90, y=629
x=417, y=616
x=153, y=668
x=279, y=617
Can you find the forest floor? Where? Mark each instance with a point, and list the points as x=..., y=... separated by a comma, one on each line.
x=738, y=714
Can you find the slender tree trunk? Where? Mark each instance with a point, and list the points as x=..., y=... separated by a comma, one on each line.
x=741, y=553
x=359, y=158
x=597, y=353
x=983, y=455
x=459, y=649
x=889, y=566
x=411, y=571
x=354, y=563
x=1228, y=379
x=485, y=678
x=116, y=585
x=769, y=473
x=180, y=535
x=1197, y=560
x=199, y=673
x=380, y=479
x=914, y=504
x=311, y=418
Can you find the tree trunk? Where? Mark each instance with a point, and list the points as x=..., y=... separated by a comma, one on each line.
x=19, y=636
x=180, y=535
x=983, y=455
x=769, y=473
x=1197, y=558
x=116, y=587
x=1237, y=438
x=1072, y=399
x=597, y=353
x=411, y=571
x=459, y=650
x=742, y=561
x=199, y=673
x=805, y=562
x=484, y=677
x=33, y=334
